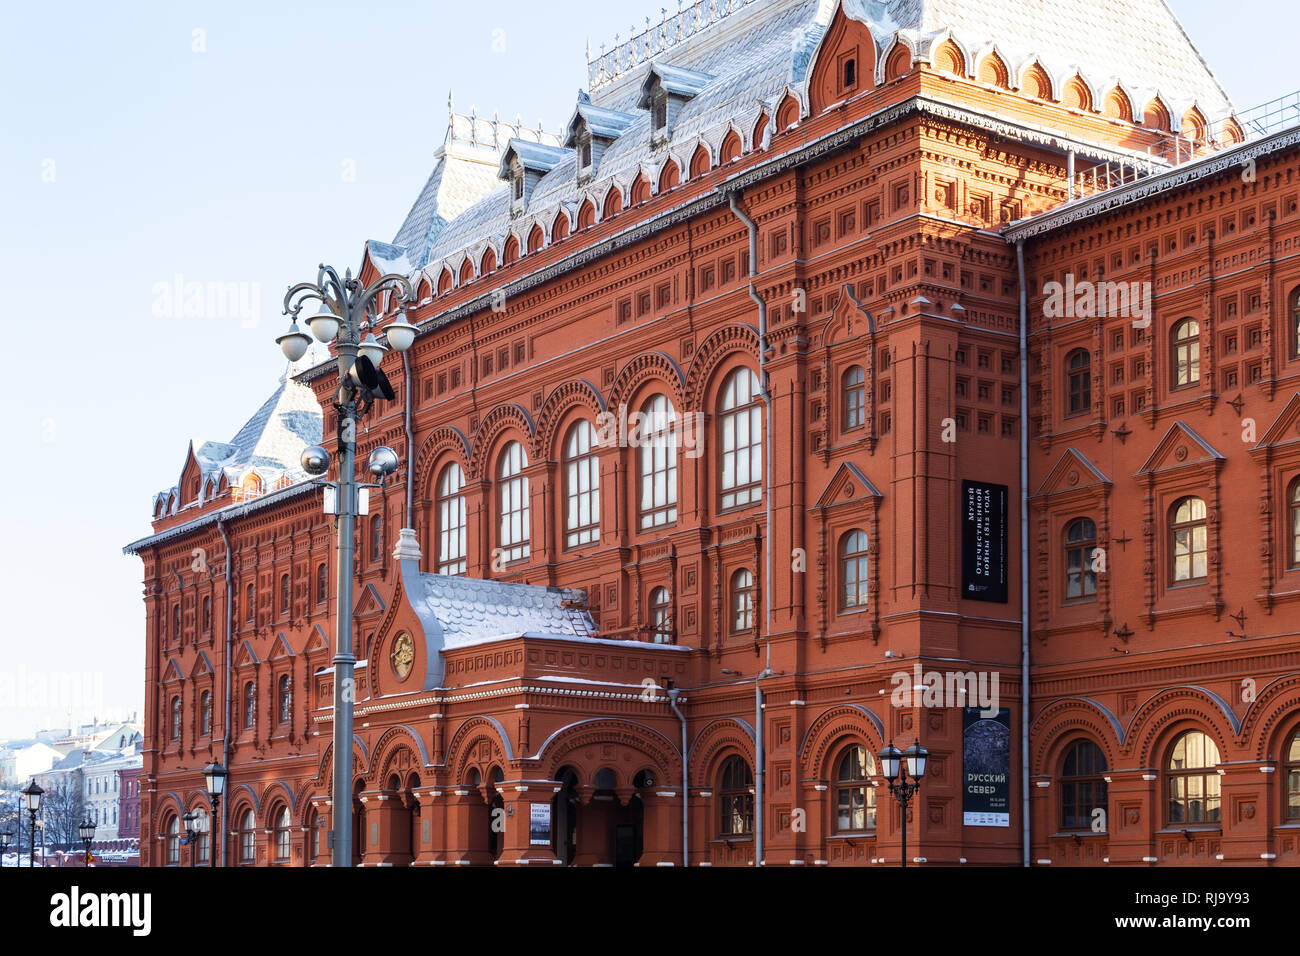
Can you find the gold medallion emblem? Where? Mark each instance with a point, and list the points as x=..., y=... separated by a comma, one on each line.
x=403, y=655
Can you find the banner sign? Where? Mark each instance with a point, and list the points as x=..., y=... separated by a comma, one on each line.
x=539, y=824
x=986, y=769
x=983, y=541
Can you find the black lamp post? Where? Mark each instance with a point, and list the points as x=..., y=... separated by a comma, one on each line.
x=214, y=776
x=191, y=834
x=897, y=766
x=5, y=837
x=87, y=837
x=33, y=793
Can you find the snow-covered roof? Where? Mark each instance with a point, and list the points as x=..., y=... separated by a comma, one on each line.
x=467, y=611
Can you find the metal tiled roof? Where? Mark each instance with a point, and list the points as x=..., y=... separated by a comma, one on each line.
x=469, y=610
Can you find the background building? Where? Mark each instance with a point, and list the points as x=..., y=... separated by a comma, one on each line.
x=733, y=368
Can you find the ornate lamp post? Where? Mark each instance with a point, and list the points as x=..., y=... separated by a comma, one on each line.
x=5, y=837
x=897, y=766
x=87, y=830
x=347, y=318
x=191, y=833
x=33, y=793
x=214, y=777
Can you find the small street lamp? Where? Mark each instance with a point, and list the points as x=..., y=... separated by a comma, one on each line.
x=191, y=834
x=348, y=317
x=87, y=836
x=897, y=765
x=5, y=837
x=33, y=793
x=214, y=777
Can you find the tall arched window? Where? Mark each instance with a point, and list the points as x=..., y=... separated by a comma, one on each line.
x=513, y=488
x=205, y=714
x=250, y=705
x=741, y=424
x=1080, y=542
x=853, y=570
x=313, y=837
x=736, y=798
x=176, y=622
x=1192, y=783
x=376, y=537
x=1291, y=776
x=659, y=440
x=1078, y=376
x=176, y=719
x=855, y=398
x=1293, y=513
x=1187, y=540
x=661, y=625
x=855, y=797
x=203, y=842
x=742, y=601
x=1185, y=344
x=1083, y=785
x=284, y=594
x=173, y=832
x=247, y=837
x=1295, y=324
x=581, y=486
x=282, y=834
x=284, y=698
x=452, y=525
x=250, y=601
x=206, y=618
x=322, y=583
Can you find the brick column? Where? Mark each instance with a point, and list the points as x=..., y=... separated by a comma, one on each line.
x=520, y=796
x=430, y=847
x=661, y=828
x=1248, y=805
x=467, y=822
x=1134, y=817
x=1042, y=821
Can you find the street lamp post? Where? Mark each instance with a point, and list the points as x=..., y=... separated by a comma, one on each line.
x=191, y=833
x=347, y=316
x=33, y=793
x=5, y=837
x=87, y=837
x=214, y=778
x=897, y=766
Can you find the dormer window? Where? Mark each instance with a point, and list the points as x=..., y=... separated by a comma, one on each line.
x=518, y=176
x=585, y=153
x=661, y=115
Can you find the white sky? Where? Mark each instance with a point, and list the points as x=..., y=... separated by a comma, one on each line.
x=127, y=159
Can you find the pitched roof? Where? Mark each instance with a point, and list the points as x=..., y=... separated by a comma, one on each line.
x=470, y=611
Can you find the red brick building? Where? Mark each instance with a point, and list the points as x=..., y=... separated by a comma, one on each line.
x=734, y=368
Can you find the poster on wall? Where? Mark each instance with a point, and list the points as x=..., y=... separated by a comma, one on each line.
x=983, y=541
x=539, y=824
x=986, y=768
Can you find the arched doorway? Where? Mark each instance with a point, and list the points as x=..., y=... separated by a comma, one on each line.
x=400, y=824
x=564, y=817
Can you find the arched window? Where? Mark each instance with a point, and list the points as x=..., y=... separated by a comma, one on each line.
x=247, y=837
x=1295, y=324
x=1187, y=540
x=322, y=583
x=661, y=622
x=376, y=537
x=1192, y=783
x=1080, y=542
x=1293, y=514
x=658, y=438
x=173, y=832
x=313, y=837
x=736, y=798
x=284, y=698
x=451, y=520
x=855, y=797
x=250, y=705
x=175, y=732
x=1078, y=373
x=853, y=570
x=741, y=424
x=1083, y=785
x=581, y=486
x=511, y=252
x=250, y=600
x=1291, y=777
x=282, y=834
x=205, y=714
x=855, y=397
x=176, y=622
x=513, y=487
x=284, y=594
x=206, y=617
x=742, y=601
x=1185, y=344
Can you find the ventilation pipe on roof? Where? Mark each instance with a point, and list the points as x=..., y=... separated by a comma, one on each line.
x=673, y=694
x=1024, y=546
x=218, y=849
x=766, y=395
